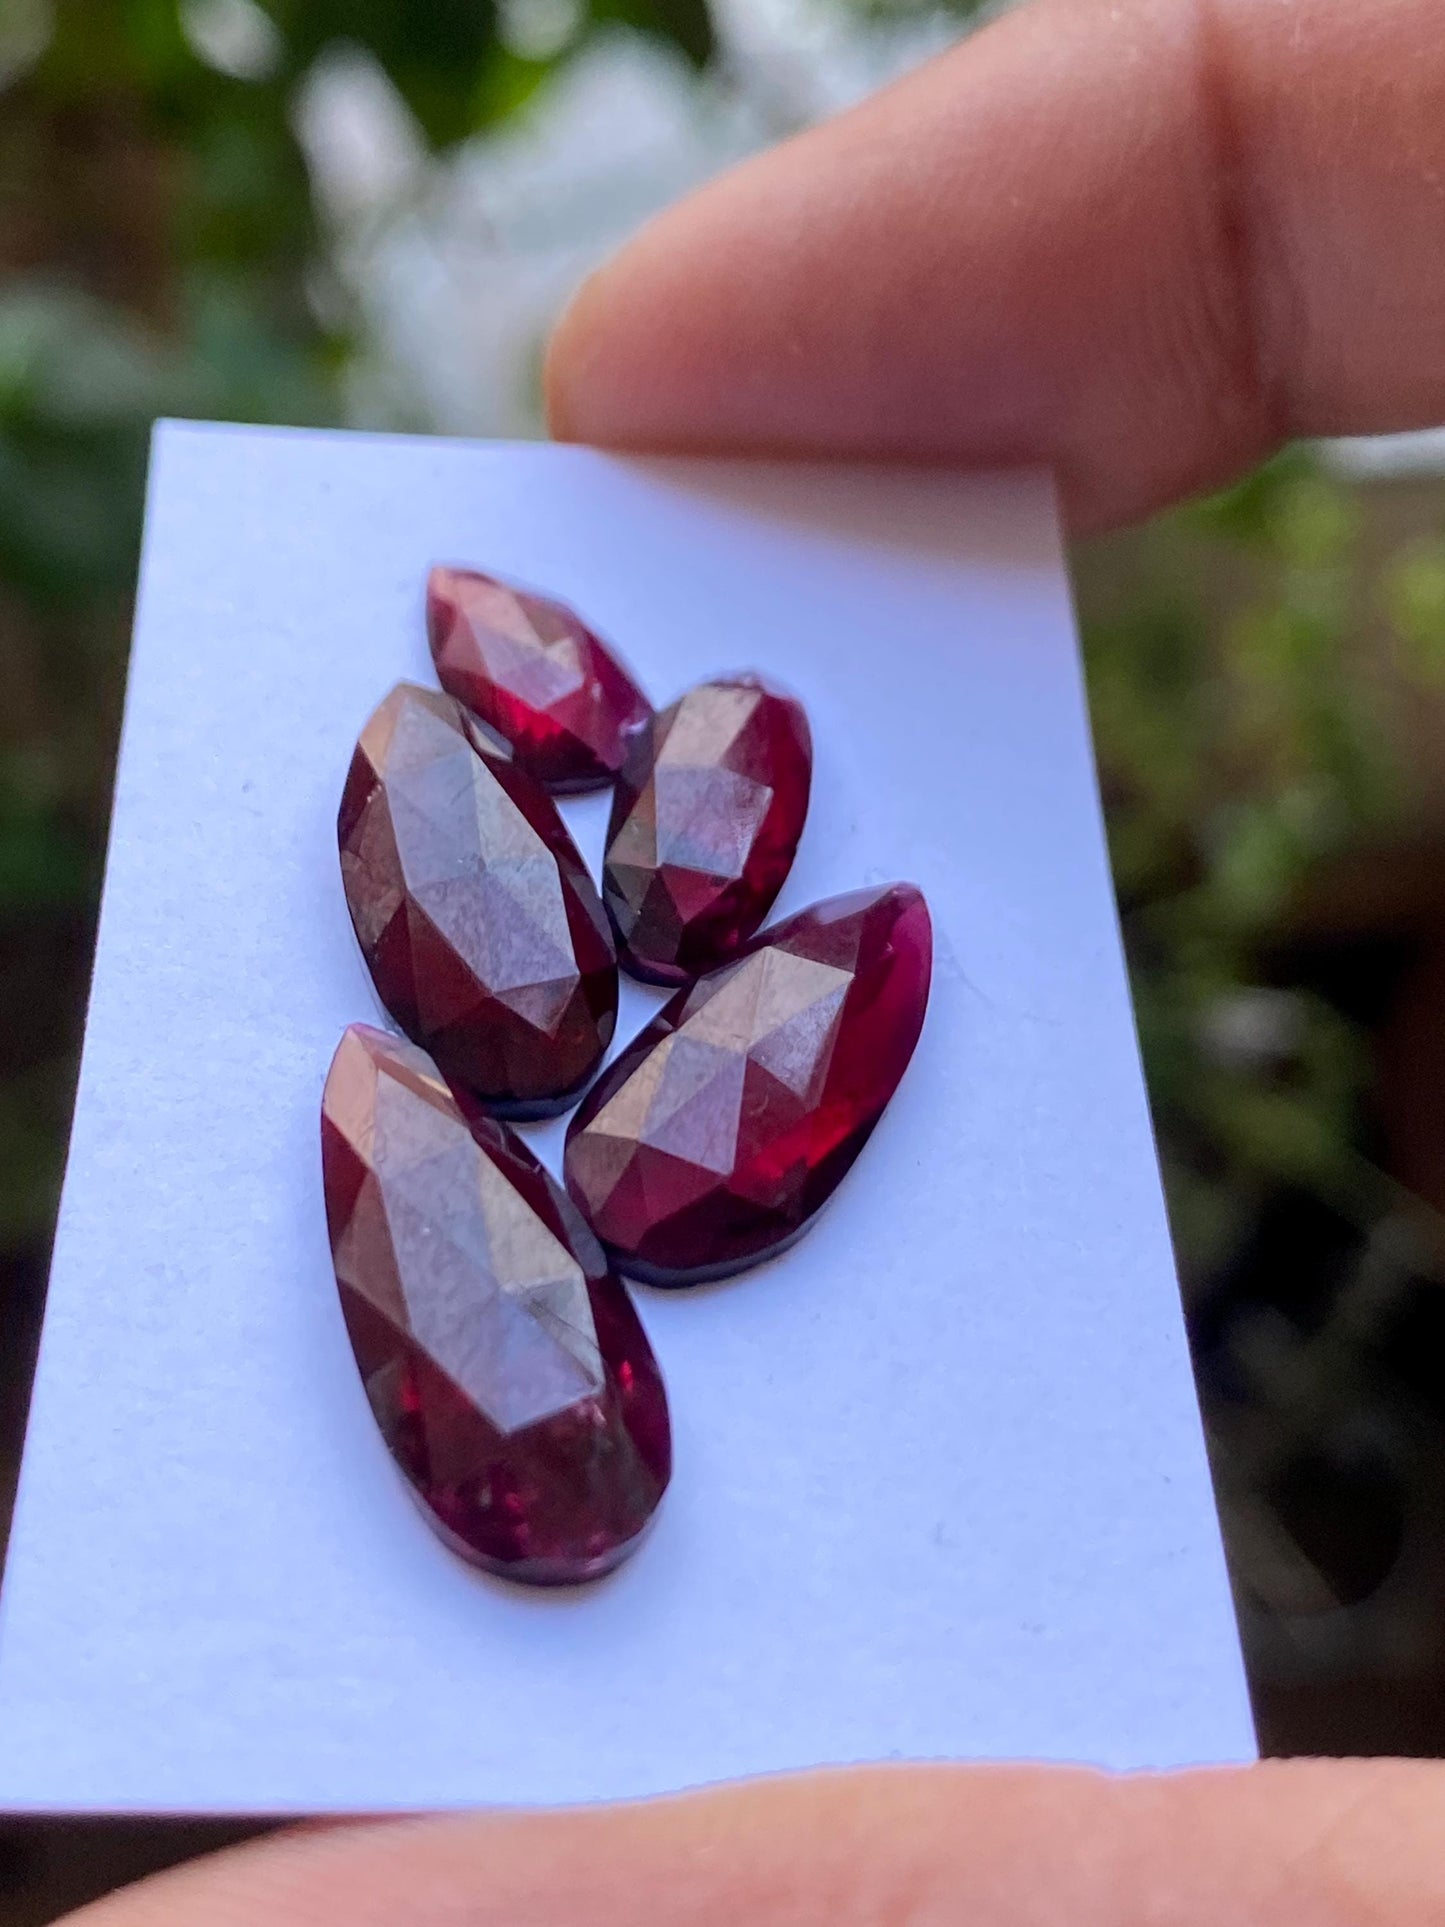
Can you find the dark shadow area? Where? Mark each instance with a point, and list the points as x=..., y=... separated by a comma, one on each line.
x=49, y=1867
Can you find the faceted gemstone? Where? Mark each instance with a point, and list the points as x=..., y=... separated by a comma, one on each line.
x=717, y=1136
x=482, y=929
x=705, y=824
x=504, y=1362
x=533, y=671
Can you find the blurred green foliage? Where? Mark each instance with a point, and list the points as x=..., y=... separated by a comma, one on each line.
x=1248, y=698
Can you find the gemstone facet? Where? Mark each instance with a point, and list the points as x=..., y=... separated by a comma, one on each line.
x=533, y=671
x=706, y=819
x=504, y=1363
x=716, y=1137
x=477, y=918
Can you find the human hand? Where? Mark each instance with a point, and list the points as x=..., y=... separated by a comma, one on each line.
x=1144, y=241
x=1290, y=1844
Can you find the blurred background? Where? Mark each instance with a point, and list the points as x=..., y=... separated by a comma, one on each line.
x=367, y=213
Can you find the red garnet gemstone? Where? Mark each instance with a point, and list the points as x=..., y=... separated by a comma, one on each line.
x=504, y=1362
x=717, y=1136
x=481, y=927
x=536, y=674
x=705, y=824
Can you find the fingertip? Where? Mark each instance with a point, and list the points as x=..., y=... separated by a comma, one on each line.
x=611, y=374
x=656, y=352
x=564, y=381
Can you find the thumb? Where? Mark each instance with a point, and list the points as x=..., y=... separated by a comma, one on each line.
x=1290, y=1844
x=1144, y=242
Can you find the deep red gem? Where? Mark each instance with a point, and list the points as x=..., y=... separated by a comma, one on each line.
x=705, y=824
x=716, y=1137
x=506, y=1367
x=482, y=929
x=533, y=671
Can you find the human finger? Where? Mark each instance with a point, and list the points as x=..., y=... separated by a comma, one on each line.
x=1144, y=242
x=1296, y=1844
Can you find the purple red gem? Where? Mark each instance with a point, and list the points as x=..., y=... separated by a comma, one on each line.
x=705, y=824
x=482, y=929
x=720, y=1132
x=504, y=1362
x=533, y=672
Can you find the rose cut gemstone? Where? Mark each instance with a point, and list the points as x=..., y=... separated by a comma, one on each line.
x=705, y=824
x=533, y=671
x=483, y=931
x=716, y=1137
x=504, y=1363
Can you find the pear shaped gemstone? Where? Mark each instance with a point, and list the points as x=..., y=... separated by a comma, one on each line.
x=533, y=671
x=705, y=824
x=504, y=1363
x=716, y=1137
x=482, y=930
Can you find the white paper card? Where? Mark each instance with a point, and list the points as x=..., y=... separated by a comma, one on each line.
x=940, y=1487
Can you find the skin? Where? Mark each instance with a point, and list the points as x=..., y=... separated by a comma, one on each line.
x=1146, y=241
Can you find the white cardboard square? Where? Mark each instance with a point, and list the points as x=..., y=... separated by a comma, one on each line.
x=940, y=1486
